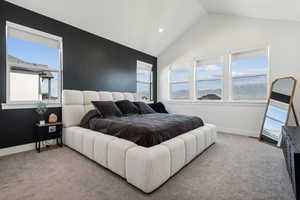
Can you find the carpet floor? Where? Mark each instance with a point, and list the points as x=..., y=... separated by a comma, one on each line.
x=235, y=168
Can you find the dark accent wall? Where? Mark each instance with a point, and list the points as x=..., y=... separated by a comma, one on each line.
x=90, y=63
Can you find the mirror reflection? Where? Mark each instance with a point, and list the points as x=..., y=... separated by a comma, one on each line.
x=277, y=112
x=284, y=86
x=276, y=117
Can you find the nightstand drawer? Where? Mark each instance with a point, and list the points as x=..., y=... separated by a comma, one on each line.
x=49, y=129
x=48, y=132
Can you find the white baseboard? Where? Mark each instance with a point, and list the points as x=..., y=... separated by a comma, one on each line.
x=16, y=149
x=239, y=132
x=21, y=148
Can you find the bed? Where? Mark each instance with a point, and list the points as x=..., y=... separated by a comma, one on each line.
x=144, y=167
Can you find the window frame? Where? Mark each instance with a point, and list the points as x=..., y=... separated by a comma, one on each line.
x=150, y=67
x=226, y=81
x=32, y=104
x=178, y=82
x=208, y=79
x=230, y=76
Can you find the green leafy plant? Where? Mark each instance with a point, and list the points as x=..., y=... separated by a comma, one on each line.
x=41, y=108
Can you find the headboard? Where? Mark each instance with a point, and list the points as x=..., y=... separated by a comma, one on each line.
x=77, y=103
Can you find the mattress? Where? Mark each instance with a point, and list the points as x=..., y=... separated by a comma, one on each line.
x=146, y=129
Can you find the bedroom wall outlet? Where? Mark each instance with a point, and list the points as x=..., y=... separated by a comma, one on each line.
x=52, y=129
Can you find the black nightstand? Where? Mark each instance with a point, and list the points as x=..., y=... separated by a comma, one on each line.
x=48, y=132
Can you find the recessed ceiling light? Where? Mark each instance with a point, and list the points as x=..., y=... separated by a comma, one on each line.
x=160, y=30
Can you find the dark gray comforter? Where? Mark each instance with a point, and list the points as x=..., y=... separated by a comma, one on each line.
x=146, y=129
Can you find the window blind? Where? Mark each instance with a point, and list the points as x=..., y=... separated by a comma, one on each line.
x=212, y=61
x=144, y=66
x=32, y=37
x=249, y=54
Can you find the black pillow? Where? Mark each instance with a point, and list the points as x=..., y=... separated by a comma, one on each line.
x=144, y=108
x=87, y=117
x=158, y=107
x=127, y=107
x=107, y=108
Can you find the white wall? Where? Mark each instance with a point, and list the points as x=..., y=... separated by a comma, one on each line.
x=217, y=35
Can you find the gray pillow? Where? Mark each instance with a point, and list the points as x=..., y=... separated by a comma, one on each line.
x=107, y=108
x=85, y=121
x=144, y=108
x=127, y=107
x=158, y=107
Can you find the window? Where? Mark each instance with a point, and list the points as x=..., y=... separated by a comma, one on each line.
x=144, y=80
x=34, y=66
x=249, y=72
x=209, y=74
x=179, y=83
x=245, y=77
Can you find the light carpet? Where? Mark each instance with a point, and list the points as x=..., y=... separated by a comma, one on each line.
x=235, y=168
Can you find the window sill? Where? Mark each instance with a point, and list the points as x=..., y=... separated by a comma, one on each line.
x=11, y=106
x=217, y=102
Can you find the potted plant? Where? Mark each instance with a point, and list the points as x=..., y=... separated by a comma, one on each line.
x=41, y=110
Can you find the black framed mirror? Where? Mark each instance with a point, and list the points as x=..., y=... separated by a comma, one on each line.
x=280, y=103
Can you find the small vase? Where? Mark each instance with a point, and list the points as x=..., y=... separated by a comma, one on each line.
x=42, y=120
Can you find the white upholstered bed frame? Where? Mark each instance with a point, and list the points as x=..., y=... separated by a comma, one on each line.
x=145, y=168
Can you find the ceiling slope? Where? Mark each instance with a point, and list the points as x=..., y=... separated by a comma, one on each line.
x=134, y=23
x=263, y=9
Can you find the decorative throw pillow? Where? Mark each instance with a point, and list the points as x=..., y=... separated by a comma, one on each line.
x=87, y=117
x=107, y=108
x=158, y=107
x=144, y=108
x=127, y=107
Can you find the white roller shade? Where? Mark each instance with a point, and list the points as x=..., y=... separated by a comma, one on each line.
x=32, y=35
x=249, y=54
x=181, y=67
x=212, y=61
x=182, y=64
x=144, y=66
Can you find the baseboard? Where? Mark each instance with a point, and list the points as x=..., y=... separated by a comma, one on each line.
x=16, y=149
x=20, y=148
x=239, y=132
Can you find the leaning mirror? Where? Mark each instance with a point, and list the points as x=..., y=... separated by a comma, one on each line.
x=280, y=103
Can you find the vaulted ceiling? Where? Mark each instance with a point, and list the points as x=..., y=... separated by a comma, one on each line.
x=264, y=9
x=136, y=23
